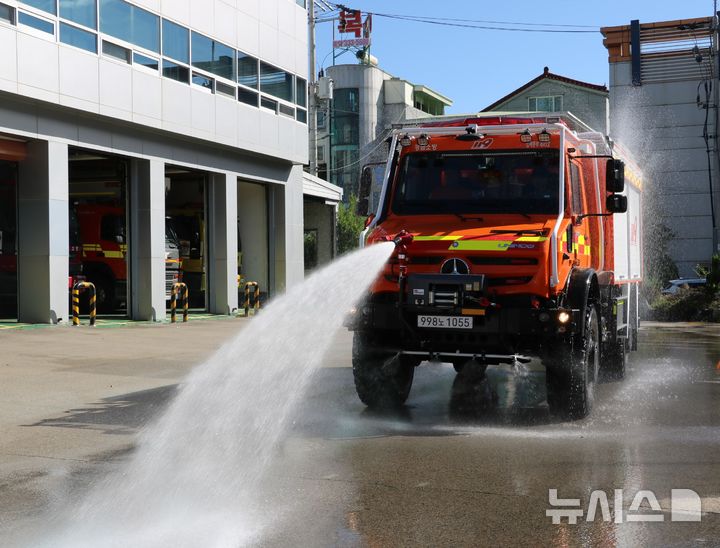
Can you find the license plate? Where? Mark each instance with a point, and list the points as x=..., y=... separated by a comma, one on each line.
x=445, y=322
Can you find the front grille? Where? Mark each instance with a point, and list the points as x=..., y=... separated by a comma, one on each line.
x=515, y=280
x=427, y=259
x=503, y=261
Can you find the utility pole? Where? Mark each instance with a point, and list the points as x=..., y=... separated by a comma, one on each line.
x=312, y=95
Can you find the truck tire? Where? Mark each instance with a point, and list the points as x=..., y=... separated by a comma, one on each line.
x=572, y=371
x=382, y=380
x=104, y=294
x=615, y=359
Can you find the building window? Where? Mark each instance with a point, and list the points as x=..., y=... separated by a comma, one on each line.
x=77, y=37
x=300, y=3
x=81, y=12
x=118, y=52
x=202, y=81
x=176, y=72
x=286, y=110
x=212, y=56
x=345, y=139
x=321, y=154
x=301, y=91
x=130, y=23
x=247, y=70
x=224, y=89
x=145, y=61
x=545, y=104
x=321, y=119
x=302, y=116
x=44, y=5
x=276, y=82
x=36, y=23
x=7, y=14
x=175, y=41
x=268, y=103
x=248, y=97
x=576, y=189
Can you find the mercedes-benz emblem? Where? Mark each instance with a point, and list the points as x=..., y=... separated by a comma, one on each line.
x=455, y=266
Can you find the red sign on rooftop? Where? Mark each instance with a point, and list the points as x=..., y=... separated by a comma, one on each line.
x=351, y=22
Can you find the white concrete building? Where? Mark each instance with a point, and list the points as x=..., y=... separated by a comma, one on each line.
x=664, y=96
x=367, y=103
x=131, y=128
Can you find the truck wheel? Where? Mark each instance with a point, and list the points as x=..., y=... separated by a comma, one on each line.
x=615, y=360
x=572, y=372
x=104, y=294
x=381, y=379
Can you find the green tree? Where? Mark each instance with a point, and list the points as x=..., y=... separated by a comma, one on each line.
x=349, y=226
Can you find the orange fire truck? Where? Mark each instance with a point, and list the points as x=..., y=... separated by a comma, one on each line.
x=517, y=237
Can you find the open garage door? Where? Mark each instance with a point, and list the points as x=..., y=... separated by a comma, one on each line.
x=8, y=240
x=98, y=227
x=186, y=215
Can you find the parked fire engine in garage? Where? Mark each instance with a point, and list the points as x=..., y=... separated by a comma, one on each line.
x=516, y=238
x=98, y=253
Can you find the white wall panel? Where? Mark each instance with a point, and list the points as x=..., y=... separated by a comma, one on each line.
x=248, y=33
x=176, y=98
x=225, y=122
x=202, y=16
x=147, y=95
x=115, y=85
x=269, y=128
x=203, y=112
x=225, y=23
x=268, y=13
x=38, y=66
x=269, y=43
x=78, y=74
x=8, y=67
x=179, y=10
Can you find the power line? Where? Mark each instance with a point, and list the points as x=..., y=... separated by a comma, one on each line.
x=481, y=27
x=482, y=24
x=451, y=19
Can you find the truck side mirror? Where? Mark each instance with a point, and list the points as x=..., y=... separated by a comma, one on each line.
x=363, y=204
x=616, y=203
x=615, y=176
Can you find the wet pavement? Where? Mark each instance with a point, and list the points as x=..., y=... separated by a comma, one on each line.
x=459, y=465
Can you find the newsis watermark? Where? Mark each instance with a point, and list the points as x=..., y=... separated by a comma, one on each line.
x=685, y=506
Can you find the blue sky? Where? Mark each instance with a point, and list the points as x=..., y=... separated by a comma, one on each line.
x=476, y=67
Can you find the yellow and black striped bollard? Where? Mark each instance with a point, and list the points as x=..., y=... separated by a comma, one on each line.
x=173, y=302
x=256, y=297
x=179, y=288
x=76, y=304
x=186, y=301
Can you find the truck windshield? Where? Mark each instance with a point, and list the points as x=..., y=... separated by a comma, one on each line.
x=519, y=181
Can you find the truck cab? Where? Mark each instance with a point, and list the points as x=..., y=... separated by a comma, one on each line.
x=505, y=249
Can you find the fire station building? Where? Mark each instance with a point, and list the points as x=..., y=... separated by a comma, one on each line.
x=147, y=142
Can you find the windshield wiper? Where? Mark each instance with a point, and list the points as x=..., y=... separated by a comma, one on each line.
x=532, y=231
x=464, y=218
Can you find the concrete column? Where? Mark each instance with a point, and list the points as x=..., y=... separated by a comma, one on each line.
x=252, y=218
x=286, y=232
x=294, y=225
x=147, y=240
x=43, y=234
x=222, y=240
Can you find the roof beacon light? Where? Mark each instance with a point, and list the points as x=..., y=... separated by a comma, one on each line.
x=544, y=136
x=405, y=140
x=423, y=140
x=525, y=136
